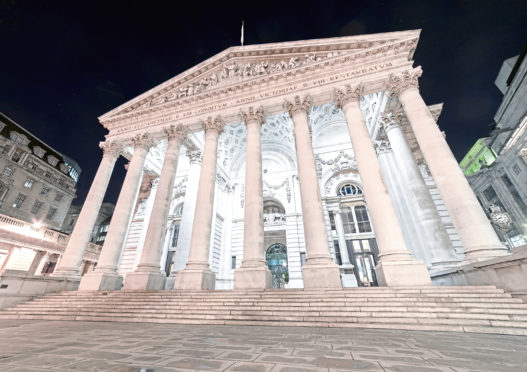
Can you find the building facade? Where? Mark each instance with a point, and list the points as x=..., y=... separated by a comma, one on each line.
x=37, y=183
x=503, y=183
x=310, y=164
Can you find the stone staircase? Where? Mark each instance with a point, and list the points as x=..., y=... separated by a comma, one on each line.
x=484, y=309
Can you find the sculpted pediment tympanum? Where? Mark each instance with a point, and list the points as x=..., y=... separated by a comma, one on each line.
x=240, y=65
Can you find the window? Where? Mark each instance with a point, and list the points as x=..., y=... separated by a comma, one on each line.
x=33, y=166
x=47, y=175
x=38, y=151
x=17, y=155
x=18, y=138
x=71, y=222
x=516, y=168
x=7, y=172
x=51, y=213
x=19, y=201
x=302, y=258
x=363, y=221
x=29, y=183
x=58, y=197
x=517, y=198
x=337, y=252
x=36, y=207
x=349, y=189
x=233, y=262
x=179, y=210
x=44, y=190
x=332, y=220
x=175, y=235
x=348, y=221
x=52, y=160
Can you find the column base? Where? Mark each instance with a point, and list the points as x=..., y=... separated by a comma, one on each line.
x=67, y=274
x=402, y=273
x=97, y=281
x=197, y=279
x=253, y=278
x=321, y=275
x=144, y=281
x=483, y=253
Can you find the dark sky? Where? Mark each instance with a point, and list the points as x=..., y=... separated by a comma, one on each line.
x=63, y=64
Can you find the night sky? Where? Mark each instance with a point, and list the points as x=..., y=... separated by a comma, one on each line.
x=63, y=64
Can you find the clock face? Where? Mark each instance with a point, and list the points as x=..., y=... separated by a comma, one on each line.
x=500, y=218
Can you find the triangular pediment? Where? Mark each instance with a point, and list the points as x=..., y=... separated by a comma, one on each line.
x=237, y=65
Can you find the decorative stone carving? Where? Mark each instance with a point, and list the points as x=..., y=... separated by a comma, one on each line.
x=180, y=187
x=325, y=113
x=194, y=156
x=174, y=132
x=398, y=83
x=351, y=93
x=298, y=105
x=423, y=168
x=143, y=141
x=341, y=162
x=111, y=148
x=391, y=120
x=268, y=189
x=223, y=184
x=382, y=147
x=523, y=153
x=215, y=124
x=253, y=115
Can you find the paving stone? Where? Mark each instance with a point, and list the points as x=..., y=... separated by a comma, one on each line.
x=286, y=359
x=348, y=364
x=236, y=355
x=200, y=364
x=250, y=367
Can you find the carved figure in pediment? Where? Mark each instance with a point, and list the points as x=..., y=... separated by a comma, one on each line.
x=182, y=92
x=310, y=58
x=232, y=69
x=213, y=79
x=248, y=70
x=190, y=90
x=293, y=62
x=262, y=68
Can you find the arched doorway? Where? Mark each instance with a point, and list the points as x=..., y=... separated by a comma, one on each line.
x=276, y=258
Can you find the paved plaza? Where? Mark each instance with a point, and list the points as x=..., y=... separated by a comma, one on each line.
x=36, y=345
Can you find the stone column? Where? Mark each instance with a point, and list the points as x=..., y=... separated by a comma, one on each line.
x=396, y=266
x=342, y=240
x=39, y=255
x=435, y=238
x=319, y=271
x=81, y=234
x=477, y=235
x=197, y=273
x=253, y=273
x=149, y=275
x=105, y=276
x=187, y=217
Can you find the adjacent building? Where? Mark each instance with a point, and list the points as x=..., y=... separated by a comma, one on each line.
x=101, y=223
x=498, y=172
x=37, y=183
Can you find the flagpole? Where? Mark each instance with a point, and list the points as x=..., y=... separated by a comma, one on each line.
x=241, y=39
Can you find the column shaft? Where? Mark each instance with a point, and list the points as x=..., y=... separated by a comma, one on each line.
x=396, y=266
x=253, y=272
x=197, y=273
x=436, y=240
x=105, y=275
x=148, y=274
x=342, y=240
x=319, y=269
x=81, y=234
x=477, y=235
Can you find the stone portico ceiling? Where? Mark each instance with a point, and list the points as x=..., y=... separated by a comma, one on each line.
x=263, y=74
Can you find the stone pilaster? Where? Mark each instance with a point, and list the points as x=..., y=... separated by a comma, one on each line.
x=425, y=215
x=81, y=234
x=148, y=275
x=396, y=266
x=341, y=239
x=253, y=273
x=319, y=270
x=477, y=235
x=197, y=273
x=105, y=276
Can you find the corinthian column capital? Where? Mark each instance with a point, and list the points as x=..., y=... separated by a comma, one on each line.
x=194, y=156
x=391, y=120
x=298, y=105
x=398, y=83
x=253, y=115
x=111, y=148
x=175, y=132
x=143, y=141
x=213, y=125
x=351, y=93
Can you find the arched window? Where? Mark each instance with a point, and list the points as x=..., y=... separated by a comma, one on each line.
x=363, y=220
x=349, y=189
x=348, y=220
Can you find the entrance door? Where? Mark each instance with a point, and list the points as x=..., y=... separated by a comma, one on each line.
x=363, y=254
x=276, y=257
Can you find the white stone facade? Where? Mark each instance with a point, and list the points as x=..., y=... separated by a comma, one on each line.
x=320, y=167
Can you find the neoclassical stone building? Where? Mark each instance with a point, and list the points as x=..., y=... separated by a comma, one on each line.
x=311, y=164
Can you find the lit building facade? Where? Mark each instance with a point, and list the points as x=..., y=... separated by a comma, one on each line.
x=310, y=164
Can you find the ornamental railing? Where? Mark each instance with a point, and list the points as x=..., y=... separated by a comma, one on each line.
x=34, y=236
